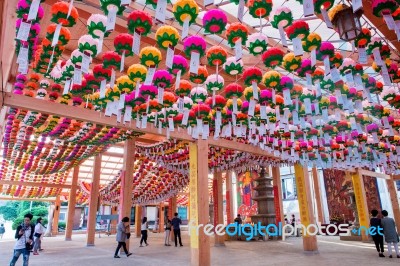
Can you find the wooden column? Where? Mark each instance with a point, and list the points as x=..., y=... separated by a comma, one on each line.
x=199, y=203
x=276, y=179
x=395, y=202
x=125, y=200
x=114, y=211
x=229, y=197
x=218, y=207
x=72, y=204
x=318, y=198
x=56, y=216
x=93, y=201
x=161, y=218
x=173, y=207
x=138, y=219
x=361, y=202
x=305, y=206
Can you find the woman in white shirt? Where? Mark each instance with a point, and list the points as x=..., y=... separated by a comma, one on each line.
x=39, y=231
x=143, y=229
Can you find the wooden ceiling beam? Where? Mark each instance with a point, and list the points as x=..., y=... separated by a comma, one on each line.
x=33, y=184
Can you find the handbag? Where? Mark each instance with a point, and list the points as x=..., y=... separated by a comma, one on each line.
x=128, y=235
x=28, y=246
x=37, y=235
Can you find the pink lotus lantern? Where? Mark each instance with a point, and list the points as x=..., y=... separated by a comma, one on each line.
x=214, y=21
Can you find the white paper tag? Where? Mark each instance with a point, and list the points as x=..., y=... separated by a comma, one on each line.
x=137, y=89
x=317, y=89
x=111, y=18
x=295, y=118
x=112, y=79
x=349, y=77
x=241, y=10
x=233, y=119
x=397, y=29
x=307, y=106
x=326, y=18
x=23, y=31
x=255, y=90
x=67, y=85
x=335, y=75
x=185, y=117
x=389, y=21
x=122, y=65
x=33, y=10
x=103, y=89
x=263, y=112
x=194, y=62
x=377, y=57
x=238, y=49
x=71, y=5
x=218, y=119
x=171, y=126
x=234, y=105
x=358, y=82
x=357, y=4
x=339, y=97
x=286, y=97
x=297, y=47
x=170, y=57
x=283, y=36
x=252, y=107
x=23, y=54
x=109, y=110
x=309, y=81
x=327, y=65
x=128, y=114
x=181, y=104
x=85, y=63
x=208, y=2
x=313, y=57
x=125, y=2
x=121, y=103
x=362, y=55
x=178, y=79
x=160, y=95
x=308, y=7
x=185, y=29
x=144, y=121
x=136, y=43
x=77, y=76
x=206, y=131
x=114, y=107
x=150, y=75
x=386, y=76
x=23, y=67
x=119, y=116
x=160, y=10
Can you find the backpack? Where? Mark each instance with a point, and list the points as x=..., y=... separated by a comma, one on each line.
x=2, y=230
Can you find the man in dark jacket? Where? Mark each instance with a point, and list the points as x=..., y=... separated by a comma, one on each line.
x=176, y=222
x=24, y=236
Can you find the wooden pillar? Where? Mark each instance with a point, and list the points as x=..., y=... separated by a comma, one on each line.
x=218, y=207
x=138, y=219
x=56, y=216
x=229, y=197
x=276, y=179
x=361, y=202
x=395, y=202
x=125, y=200
x=199, y=203
x=72, y=204
x=305, y=206
x=93, y=201
x=114, y=211
x=161, y=218
x=173, y=207
x=318, y=199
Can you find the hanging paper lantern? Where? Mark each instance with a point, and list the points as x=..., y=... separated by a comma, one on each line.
x=298, y=29
x=153, y=3
x=233, y=67
x=229, y=104
x=101, y=73
x=336, y=60
x=311, y=42
x=364, y=38
x=167, y=36
x=257, y=43
x=198, y=94
x=23, y=8
x=325, y=50
x=148, y=91
x=162, y=78
x=108, y=5
x=168, y=99
x=248, y=93
x=375, y=43
x=64, y=34
x=179, y=63
x=214, y=21
x=235, y=32
x=291, y=62
x=87, y=44
x=347, y=66
x=305, y=68
x=322, y=4
x=33, y=32
x=214, y=83
x=282, y=17
x=137, y=72
x=233, y=90
x=139, y=21
x=252, y=74
x=185, y=9
x=61, y=15
x=97, y=26
x=259, y=8
x=125, y=84
x=194, y=44
x=187, y=102
x=200, y=77
x=216, y=55
x=272, y=57
x=111, y=60
x=271, y=79
x=150, y=56
x=384, y=7
x=328, y=85
x=220, y=102
x=123, y=44
x=184, y=88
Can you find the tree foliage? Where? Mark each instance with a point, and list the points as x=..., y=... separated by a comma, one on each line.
x=15, y=211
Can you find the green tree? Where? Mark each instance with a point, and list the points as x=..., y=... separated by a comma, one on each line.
x=10, y=210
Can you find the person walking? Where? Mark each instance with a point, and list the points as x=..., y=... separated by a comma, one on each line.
x=238, y=219
x=24, y=236
x=39, y=231
x=143, y=230
x=391, y=236
x=375, y=223
x=168, y=226
x=2, y=231
x=123, y=233
x=176, y=222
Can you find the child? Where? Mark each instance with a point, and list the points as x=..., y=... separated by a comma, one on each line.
x=389, y=230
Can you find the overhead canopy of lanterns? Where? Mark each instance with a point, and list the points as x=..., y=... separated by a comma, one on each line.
x=311, y=105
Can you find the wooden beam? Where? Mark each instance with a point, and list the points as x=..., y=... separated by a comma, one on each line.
x=93, y=202
x=276, y=179
x=218, y=207
x=374, y=174
x=28, y=199
x=395, y=201
x=318, y=198
x=56, y=217
x=33, y=184
x=71, y=204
